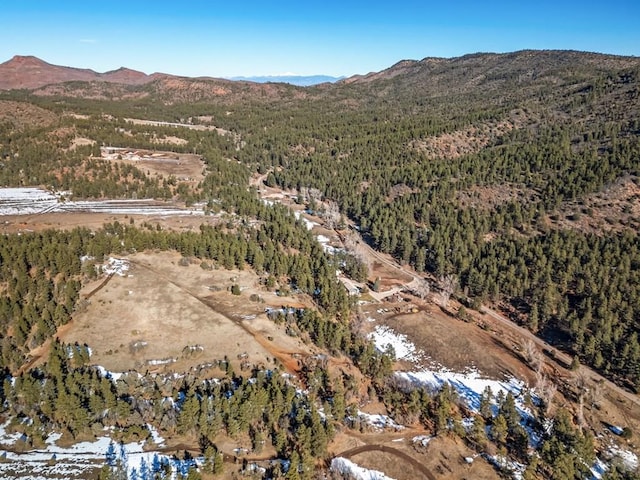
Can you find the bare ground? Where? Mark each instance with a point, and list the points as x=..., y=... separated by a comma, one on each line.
x=172, y=307
x=450, y=342
x=442, y=458
x=70, y=220
x=185, y=167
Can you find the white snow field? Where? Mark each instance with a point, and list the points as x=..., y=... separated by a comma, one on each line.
x=33, y=201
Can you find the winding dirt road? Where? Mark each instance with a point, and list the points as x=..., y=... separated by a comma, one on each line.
x=383, y=448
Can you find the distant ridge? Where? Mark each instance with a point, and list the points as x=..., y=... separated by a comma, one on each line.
x=298, y=80
x=30, y=72
x=429, y=76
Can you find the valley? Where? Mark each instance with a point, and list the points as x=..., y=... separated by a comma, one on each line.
x=431, y=271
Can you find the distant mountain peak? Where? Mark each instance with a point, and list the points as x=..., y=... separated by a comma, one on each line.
x=27, y=71
x=26, y=60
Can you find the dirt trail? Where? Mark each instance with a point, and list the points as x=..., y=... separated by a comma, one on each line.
x=561, y=358
x=40, y=353
x=383, y=448
x=99, y=287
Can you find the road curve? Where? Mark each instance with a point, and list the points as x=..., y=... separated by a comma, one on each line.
x=383, y=448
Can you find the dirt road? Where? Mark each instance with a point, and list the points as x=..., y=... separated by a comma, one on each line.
x=383, y=448
x=405, y=273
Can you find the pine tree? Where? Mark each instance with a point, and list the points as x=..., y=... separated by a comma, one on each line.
x=485, y=408
x=509, y=411
x=478, y=433
x=499, y=430
x=294, y=465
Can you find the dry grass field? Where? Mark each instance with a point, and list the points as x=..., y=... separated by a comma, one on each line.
x=160, y=313
x=184, y=166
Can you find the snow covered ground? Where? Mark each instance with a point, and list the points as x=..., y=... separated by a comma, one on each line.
x=422, y=440
x=378, y=421
x=116, y=266
x=322, y=239
x=470, y=385
x=76, y=461
x=31, y=200
x=628, y=459
x=308, y=223
x=80, y=460
x=347, y=467
x=505, y=464
x=384, y=336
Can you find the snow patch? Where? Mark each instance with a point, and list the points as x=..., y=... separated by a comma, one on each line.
x=155, y=436
x=77, y=461
x=31, y=200
x=469, y=385
x=629, y=459
x=379, y=421
x=347, y=467
x=9, y=438
x=161, y=361
x=104, y=373
x=384, y=336
x=598, y=469
x=515, y=468
x=116, y=266
x=422, y=440
x=308, y=223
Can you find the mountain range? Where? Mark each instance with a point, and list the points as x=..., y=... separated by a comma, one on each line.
x=29, y=72
x=298, y=80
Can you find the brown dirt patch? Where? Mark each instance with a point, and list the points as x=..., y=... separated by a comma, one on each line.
x=171, y=139
x=81, y=141
x=450, y=342
x=171, y=307
x=389, y=277
x=615, y=208
x=70, y=220
x=455, y=144
x=488, y=197
x=185, y=167
x=444, y=457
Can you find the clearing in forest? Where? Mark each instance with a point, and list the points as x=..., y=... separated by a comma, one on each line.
x=167, y=313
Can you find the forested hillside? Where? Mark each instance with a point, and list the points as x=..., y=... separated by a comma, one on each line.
x=464, y=166
x=461, y=166
x=497, y=170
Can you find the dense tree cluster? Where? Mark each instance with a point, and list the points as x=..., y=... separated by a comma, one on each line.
x=42, y=271
x=409, y=204
x=585, y=285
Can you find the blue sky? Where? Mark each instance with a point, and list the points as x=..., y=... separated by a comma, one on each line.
x=330, y=37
